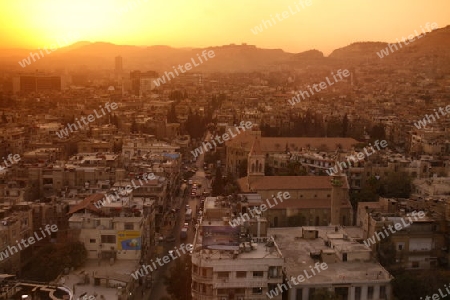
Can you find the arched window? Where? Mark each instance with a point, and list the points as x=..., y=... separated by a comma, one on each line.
x=253, y=167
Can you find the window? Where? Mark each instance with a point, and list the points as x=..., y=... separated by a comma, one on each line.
x=400, y=246
x=222, y=292
x=272, y=287
x=108, y=239
x=257, y=291
x=258, y=274
x=274, y=272
x=370, y=292
x=312, y=291
x=358, y=293
x=222, y=275
x=383, y=292
x=241, y=274
x=129, y=226
x=415, y=264
x=92, y=241
x=299, y=294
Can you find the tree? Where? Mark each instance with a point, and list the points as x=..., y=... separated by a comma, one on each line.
x=409, y=285
x=217, y=186
x=378, y=132
x=242, y=169
x=387, y=252
x=51, y=260
x=369, y=193
x=396, y=185
x=134, y=127
x=178, y=283
x=324, y=294
x=268, y=170
x=344, y=126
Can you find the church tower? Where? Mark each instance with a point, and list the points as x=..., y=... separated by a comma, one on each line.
x=256, y=162
x=339, y=196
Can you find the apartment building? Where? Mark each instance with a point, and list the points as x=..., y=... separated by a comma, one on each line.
x=137, y=146
x=229, y=264
x=419, y=244
x=351, y=273
x=114, y=231
x=16, y=224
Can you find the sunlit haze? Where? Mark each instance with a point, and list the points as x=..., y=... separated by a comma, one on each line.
x=324, y=25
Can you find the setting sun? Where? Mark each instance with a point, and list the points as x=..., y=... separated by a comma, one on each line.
x=324, y=25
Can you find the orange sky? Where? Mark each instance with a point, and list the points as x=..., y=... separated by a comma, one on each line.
x=324, y=24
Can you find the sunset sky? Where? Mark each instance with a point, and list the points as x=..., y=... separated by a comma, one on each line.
x=324, y=25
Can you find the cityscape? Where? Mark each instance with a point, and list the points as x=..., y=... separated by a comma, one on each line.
x=287, y=150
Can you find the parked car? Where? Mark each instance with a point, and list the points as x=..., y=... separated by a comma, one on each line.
x=170, y=239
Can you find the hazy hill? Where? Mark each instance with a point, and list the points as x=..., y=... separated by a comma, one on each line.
x=430, y=49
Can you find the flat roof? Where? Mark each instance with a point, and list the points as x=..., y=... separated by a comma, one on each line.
x=296, y=252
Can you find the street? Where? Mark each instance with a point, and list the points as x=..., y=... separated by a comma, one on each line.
x=158, y=290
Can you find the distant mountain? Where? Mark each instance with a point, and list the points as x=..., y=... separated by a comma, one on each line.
x=358, y=51
x=436, y=42
x=431, y=48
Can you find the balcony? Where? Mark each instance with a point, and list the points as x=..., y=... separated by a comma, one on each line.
x=196, y=295
x=235, y=283
x=201, y=279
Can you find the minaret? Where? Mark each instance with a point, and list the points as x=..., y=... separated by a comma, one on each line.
x=256, y=162
x=339, y=194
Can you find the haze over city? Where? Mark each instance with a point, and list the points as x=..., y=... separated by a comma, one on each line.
x=224, y=150
x=324, y=25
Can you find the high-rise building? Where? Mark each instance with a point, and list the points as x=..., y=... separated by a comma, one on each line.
x=142, y=82
x=36, y=83
x=118, y=64
x=118, y=69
